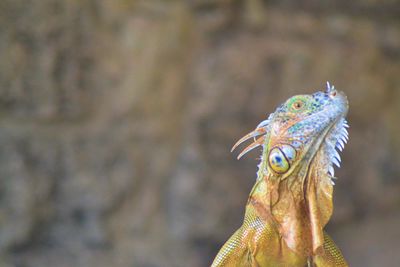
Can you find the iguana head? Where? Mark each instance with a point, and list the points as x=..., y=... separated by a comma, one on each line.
x=302, y=126
x=299, y=143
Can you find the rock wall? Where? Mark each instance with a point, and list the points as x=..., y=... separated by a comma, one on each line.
x=117, y=118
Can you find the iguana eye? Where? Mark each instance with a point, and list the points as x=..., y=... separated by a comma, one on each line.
x=281, y=157
x=297, y=105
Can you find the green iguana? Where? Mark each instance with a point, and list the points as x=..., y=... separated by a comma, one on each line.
x=291, y=201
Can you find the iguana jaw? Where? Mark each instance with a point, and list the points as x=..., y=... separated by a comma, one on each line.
x=332, y=137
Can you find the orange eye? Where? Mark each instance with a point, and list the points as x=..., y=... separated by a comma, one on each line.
x=298, y=105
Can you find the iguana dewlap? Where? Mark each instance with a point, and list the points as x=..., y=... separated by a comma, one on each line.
x=291, y=201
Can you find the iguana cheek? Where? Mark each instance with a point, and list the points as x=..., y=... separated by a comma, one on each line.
x=277, y=161
x=281, y=157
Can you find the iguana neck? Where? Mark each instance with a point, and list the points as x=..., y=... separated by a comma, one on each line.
x=298, y=206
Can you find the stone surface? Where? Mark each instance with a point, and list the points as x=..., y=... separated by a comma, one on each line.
x=117, y=118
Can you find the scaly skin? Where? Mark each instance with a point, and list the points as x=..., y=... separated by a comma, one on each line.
x=291, y=201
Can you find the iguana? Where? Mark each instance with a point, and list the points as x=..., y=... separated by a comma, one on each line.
x=291, y=200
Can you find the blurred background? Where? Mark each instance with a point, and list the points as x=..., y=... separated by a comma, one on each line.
x=117, y=118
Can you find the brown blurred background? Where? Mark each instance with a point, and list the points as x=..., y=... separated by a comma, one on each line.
x=117, y=118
